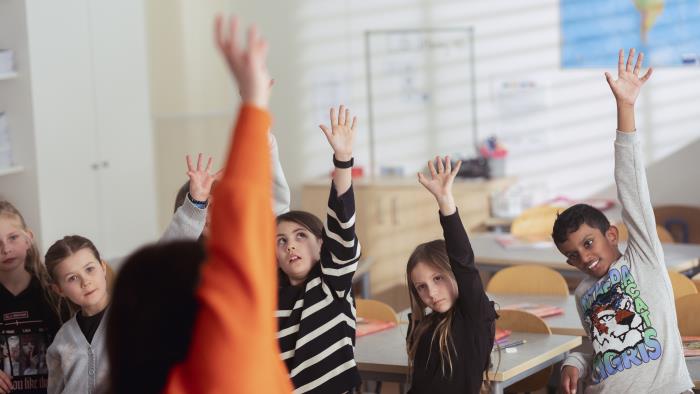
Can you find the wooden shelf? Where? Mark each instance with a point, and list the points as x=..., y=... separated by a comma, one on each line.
x=11, y=170
x=9, y=75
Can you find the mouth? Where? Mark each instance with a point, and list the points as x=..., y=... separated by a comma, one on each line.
x=293, y=259
x=593, y=264
x=8, y=260
x=89, y=293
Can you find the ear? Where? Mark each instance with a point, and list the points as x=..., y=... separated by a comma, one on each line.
x=612, y=235
x=30, y=234
x=56, y=289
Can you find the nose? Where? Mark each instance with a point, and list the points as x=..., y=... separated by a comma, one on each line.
x=84, y=283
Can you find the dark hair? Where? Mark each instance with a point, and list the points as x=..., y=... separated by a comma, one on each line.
x=573, y=217
x=305, y=219
x=181, y=195
x=150, y=322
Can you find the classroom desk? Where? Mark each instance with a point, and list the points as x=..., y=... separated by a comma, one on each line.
x=382, y=356
x=491, y=256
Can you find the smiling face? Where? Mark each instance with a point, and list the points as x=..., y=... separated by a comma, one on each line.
x=591, y=251
x=435, y=288
x=297, y=250
x=82, y=278
x=14, y=244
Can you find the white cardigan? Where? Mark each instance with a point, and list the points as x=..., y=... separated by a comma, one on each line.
x=75, y=365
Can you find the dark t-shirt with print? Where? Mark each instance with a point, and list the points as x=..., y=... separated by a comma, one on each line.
x=27, y=327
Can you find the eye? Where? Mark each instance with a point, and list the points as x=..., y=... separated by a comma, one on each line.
x=13, y=237
x=587, y=243
x=420, y=287
x=281, y=241
x=301, y=235
x=90, y=269
x=438, y=278
x=72, y=278
x=572, y=258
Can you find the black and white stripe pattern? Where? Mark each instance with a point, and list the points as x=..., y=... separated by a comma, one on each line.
x=317, y=319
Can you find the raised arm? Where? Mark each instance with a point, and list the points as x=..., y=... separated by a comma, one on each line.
x=190, y=218
x=234, y=345
x=340, y=250
x=281, y=196
x=630, y=176
x=472, y=299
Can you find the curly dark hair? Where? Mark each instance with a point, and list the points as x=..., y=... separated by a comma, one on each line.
x=573, y=217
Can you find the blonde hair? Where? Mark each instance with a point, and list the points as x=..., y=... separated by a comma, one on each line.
x=433, y=254
x=33, y=263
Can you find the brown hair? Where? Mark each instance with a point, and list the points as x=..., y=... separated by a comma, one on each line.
x=434, y=254
x=305, y=219
x=33, y=264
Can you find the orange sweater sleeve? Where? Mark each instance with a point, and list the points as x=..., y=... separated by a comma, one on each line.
x=234, y=346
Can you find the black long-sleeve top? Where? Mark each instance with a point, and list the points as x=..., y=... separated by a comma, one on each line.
x=472, y=327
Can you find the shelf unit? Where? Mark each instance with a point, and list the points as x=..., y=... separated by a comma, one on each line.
x=11, y=170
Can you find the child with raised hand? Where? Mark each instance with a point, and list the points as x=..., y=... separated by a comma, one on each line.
x=316, y=307
x=625, y=302
x=449, y=348
x=30, y=313
x=77, y=359
x=232, y=346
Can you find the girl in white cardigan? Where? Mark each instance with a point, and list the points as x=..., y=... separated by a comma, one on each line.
x=77, y=358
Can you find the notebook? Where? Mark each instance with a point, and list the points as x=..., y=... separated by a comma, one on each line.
x=540, y=310
x=370, y=326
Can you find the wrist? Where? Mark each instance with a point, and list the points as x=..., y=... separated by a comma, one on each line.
x=446, y=204
x=346, y=156
x=200, y=202
x=343, y=163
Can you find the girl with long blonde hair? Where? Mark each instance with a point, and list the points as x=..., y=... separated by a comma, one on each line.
x=452, y=321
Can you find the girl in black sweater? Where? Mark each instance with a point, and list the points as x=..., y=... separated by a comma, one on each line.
x=448, y=347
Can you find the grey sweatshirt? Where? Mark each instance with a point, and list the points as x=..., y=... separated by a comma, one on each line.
x=75, y=365
x=188, y=220
x=629, y=314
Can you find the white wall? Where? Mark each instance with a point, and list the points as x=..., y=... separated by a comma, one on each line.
x=316, y=51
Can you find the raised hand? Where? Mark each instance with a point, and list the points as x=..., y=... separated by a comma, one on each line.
x=440, y=183
x=248, y=65
x=341, y=134
x=201, y=179
x=628, y=84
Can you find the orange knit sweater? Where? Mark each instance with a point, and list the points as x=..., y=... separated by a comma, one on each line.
x=234, y=346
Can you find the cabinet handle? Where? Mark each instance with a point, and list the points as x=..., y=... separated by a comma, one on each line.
x=105, y=164
x=95, y=166
x=380, y=216
x=394, y=209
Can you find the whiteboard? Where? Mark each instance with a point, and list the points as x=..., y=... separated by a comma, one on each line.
x=421, y=93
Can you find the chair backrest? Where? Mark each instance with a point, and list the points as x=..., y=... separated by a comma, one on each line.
x=682, y=285
x=522, y=321
x=535, y=223
x=528, y=279
x=688, y=312
x=376, y=310
x=682, y=221
x=664, y=236
x=696, y=280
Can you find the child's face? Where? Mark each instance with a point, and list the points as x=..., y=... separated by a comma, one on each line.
x=14, y=244
x=298, y=249
x=591, y=251
x=437, y=290
x=83, y=280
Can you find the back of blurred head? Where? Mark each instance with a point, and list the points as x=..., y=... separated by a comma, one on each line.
x=149, y=327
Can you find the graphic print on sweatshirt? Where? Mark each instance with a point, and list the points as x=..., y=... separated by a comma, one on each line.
x=619, y=324
x=23, y=343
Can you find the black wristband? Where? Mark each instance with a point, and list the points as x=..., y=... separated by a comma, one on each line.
x=200, y=204
x=343, y=164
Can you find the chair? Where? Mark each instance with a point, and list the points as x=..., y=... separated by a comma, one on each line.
x=696, y=280
x=688, y=312
x=376, y=310
x=664, y=236
x=522, y=321
x=681, y=284
x=535, y=224
x=528, y=279
x=682, y=221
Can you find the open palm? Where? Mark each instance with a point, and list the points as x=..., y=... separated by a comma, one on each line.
x=628, y=84
x=341, y=134
x=440, y=182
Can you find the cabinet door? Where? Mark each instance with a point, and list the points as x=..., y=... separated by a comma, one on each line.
x=125, y=141
x=63, y=117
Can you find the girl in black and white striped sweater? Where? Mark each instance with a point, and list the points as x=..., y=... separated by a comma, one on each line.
x=316, y=312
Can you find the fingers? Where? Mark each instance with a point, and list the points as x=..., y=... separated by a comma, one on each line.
x=218, y=175
x=334, y=117
x=448, y=165
x=609, y=78
x=209, y=163
x=620, y=62
x=199, y=162
x=328, y=133
x=455, y=171
x=5, y=383
x=354, y=123
x=232, y=39
x=341, y=115
x=628, y=66
x=441, y=165
x=218, y=34
x=422, y=179
x=638, y=63
x=431, y=167
x=190, y=168
x=647, y=74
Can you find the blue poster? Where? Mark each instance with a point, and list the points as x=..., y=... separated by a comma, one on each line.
x=668, y=31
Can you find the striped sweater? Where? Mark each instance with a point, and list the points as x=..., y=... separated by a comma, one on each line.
x=317, y=318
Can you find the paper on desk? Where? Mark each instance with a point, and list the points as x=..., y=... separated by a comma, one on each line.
x=508, y=241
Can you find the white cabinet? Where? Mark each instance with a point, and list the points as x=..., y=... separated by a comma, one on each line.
x=80, y=120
